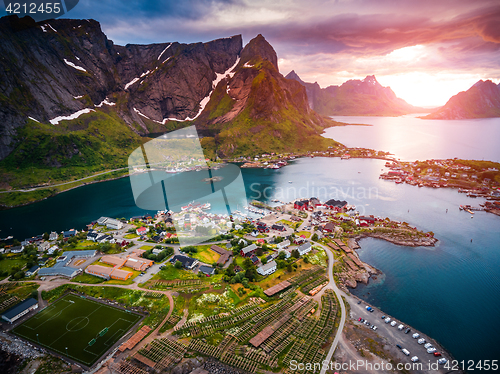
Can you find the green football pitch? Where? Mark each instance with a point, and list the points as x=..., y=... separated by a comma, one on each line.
x=78, y=328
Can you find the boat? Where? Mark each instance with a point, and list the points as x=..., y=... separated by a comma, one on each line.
x=172, y=171
x=289, y=181
x=195, y=205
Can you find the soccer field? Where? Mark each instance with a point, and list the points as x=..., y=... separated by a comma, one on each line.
x=78, y=328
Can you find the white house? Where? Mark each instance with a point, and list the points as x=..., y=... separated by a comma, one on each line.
x=304, y=248
x=114, y=224
x=267, y=269
x=111, y=223
x=51, y=250
x=53, y=236
x=284, y=244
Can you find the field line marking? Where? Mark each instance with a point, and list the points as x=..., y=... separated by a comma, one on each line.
x=88, y=315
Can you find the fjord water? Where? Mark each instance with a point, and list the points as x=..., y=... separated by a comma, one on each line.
x=451, y=291
x=410, y=138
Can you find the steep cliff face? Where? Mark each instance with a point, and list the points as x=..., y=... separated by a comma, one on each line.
x=356, y=97
x=255, y=109
x=482, y=100
x=60, y=67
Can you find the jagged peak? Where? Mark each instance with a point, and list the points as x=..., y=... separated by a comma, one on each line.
x=294, y=76
x=370, y=79
x=259, y=46
x=486, y=83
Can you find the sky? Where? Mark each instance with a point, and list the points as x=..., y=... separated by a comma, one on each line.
x=425, y=50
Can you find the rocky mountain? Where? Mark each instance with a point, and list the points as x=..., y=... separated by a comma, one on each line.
x=482, y=100
x=65, y=87
x=61, y=67
x=355, y=97
x=255, y=109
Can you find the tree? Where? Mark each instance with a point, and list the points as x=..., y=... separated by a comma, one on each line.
x=190, y=249
x=230, y=270
x=46, y=236
x=315, y=237
x=264, y=261
x=178, y=264
x=247, y=263
x=282, y=255
x=251, y=274
x=295, y=253
x=259, y=251
x=306, y=259
x=18, y=275
x=289, y=268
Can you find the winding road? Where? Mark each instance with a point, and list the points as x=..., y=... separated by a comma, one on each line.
x=333, y=285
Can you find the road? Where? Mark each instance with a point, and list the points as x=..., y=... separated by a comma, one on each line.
x=333, y=285
x=62, y=184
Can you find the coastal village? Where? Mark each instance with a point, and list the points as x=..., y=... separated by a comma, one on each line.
x=252, y=298
x=472, y=178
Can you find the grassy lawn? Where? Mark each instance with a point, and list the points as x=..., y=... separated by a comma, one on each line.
x=83, y=245
x=169, y=272
x=238, y=260
x=131, y=236
x=146, y=247
x=9, y=262
x=87, y=278
x=212, y=303
x=286, y=222
x=205, y=254
x=282, y=274
x=307, y=234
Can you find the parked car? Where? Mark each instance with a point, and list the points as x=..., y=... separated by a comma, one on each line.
x=442, y=361
x=421, y=341
x=407, y=330
x=437, y=354
x=383, y=317
x=367, y=323
x=359, y=319
x=387, y=320
x=416, y=335
x=397, y=345
x=393, y=323
x=368, y=308
x=431, y=350
x=374, y=328
x=405, y=351
x=414, y=359
x=401, y=327
x=359, y=302
x=427, y=345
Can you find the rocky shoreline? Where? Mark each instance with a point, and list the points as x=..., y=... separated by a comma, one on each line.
x=415, y=242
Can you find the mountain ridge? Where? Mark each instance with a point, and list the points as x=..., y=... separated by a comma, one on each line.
x=356, y=97
x=482, y=100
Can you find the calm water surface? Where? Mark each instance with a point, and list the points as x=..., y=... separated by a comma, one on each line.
x=410, y=138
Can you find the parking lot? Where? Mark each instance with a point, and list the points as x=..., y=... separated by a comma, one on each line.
x=398, y=337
